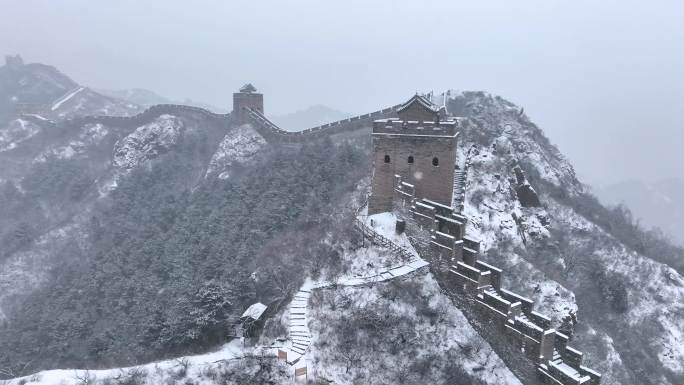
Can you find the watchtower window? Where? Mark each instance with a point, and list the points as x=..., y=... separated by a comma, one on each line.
x=387, y=159
x=435, y=161
x=410, y=159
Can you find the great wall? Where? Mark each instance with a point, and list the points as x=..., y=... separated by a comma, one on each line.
x=506, y=318
x=250, y=114
x=522, y=337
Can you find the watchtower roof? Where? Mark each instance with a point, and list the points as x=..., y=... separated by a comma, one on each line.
x=422, y=101
x=248, y=88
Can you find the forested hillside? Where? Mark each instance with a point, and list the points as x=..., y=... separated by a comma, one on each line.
x=166, y=265
x=125, y=243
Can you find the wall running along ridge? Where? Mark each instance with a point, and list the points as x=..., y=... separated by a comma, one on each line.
x=271, y=132
x=504, y=315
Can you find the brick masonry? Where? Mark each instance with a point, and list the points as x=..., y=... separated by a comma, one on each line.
x=246, y=99
x=419, y=148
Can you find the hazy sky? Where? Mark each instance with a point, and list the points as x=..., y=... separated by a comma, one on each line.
x=604, y=79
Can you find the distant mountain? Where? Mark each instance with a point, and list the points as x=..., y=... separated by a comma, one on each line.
x=309, y=117
x=659, y=204
x=136, y=95
x=44, y=91
x=148, y=98
x=29, y=83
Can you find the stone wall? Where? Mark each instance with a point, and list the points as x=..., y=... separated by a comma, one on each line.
x=272, y=133
x=423, y=154
x=507, y=318
x=138, y=120
x=245, y=101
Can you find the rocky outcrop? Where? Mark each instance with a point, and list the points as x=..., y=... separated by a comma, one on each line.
x=526, y=194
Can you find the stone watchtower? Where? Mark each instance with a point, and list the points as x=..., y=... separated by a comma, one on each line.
x=418, y=147
x=246, y=98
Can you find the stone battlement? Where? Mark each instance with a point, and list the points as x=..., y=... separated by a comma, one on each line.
x=394, y=126
x=271, y=132
x=419, y=147
x=510, y=316
x=133, y=121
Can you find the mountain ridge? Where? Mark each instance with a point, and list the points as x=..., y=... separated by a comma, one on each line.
x=573, y=254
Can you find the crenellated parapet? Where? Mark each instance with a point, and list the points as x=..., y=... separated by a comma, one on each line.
x=456, y=257
x=137, y=120
x=393, y=126
x=273, y=133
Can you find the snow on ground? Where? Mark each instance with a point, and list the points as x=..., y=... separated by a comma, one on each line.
x=655, y=291
x=238, y=146
x=158, y=372
x=659, y=296
x=371, y=270
x=501, y=224
x=147, y=141
x=65, y=98
x=384, y=224
x=24, y=271
x=161, y=372
x=83, y=101
x=554, y=300
x=16, y=132
x=38, y=117
x=419, y=337
x=67, y=151
x=91, y=134
x=108, y=184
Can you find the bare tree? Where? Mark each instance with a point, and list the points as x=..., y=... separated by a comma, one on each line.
x=85, y=377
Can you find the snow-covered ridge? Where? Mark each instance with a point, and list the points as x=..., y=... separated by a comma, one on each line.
x=238, y=146
x=91, y=134
x=16, y=132
x=65, y=98
x=147, y=142
x=194, y=368
x=509, y=233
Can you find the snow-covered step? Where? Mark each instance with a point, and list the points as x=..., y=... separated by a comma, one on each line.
x=298, y=329
x=292, y=357
x=298, y=350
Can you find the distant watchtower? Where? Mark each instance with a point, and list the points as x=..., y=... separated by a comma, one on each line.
x=246, y=98
x=420, y=148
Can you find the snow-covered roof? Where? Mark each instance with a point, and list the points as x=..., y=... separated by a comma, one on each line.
x=255, y=311
x=248, y=88
x=422, y=101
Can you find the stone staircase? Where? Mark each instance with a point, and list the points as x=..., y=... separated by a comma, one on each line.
x=459, y=189
x=299, y=330
x=460, y=179
x=564, y=373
